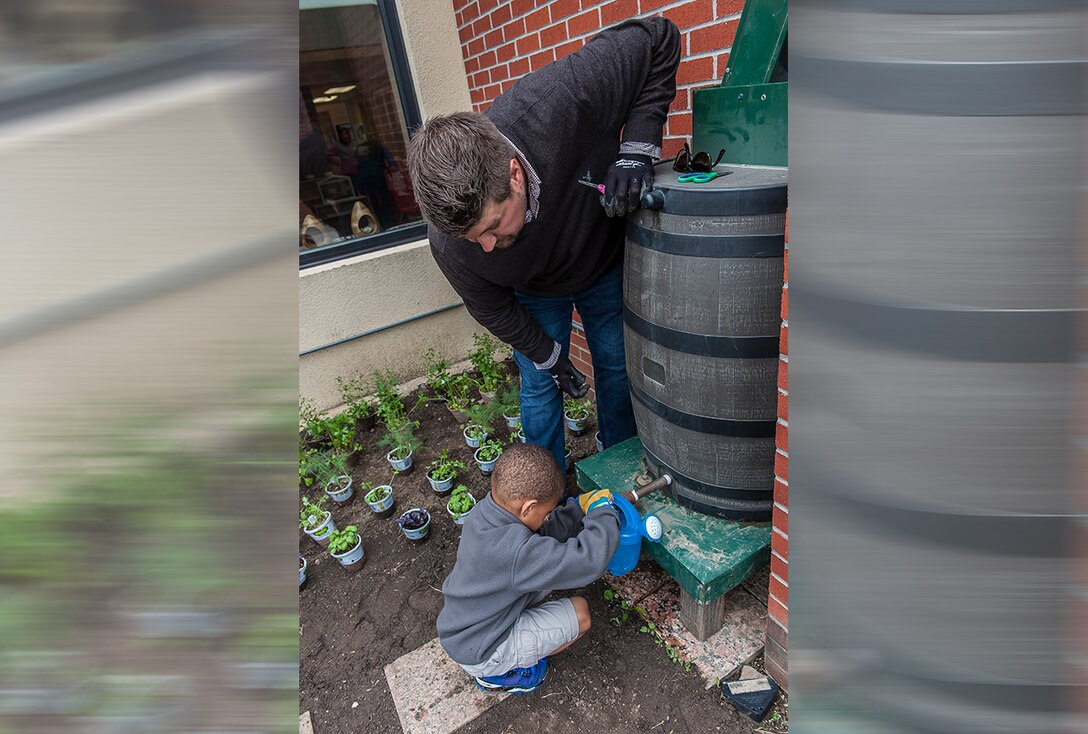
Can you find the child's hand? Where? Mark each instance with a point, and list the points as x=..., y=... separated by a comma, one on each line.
x=592, y=500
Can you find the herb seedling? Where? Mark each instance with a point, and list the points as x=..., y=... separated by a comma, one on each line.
x=489, y=450
x=444, y=467
x=312, y=514
x=483, y=361
x=413, y=519
x=461, y=502
x=341, y=541
x=377, y=494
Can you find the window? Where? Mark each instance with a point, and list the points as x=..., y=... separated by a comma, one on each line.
x=356, y=105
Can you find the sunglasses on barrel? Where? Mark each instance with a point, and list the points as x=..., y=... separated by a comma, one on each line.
x=699, y=163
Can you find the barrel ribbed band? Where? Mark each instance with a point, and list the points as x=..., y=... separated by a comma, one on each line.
x=703, y=345
x=702, y=423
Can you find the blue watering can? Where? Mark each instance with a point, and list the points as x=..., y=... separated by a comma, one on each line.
x=634, y=528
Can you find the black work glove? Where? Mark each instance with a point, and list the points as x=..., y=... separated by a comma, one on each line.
x=568, y=378
x=625, y=182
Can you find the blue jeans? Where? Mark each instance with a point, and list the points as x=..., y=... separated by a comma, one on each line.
x=601, y=308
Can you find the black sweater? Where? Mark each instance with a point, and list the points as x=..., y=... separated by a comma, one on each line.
x=566, y=119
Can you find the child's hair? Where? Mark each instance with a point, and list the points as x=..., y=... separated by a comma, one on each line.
x=526, y=471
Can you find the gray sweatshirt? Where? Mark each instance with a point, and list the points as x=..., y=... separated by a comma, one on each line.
x=502, y=566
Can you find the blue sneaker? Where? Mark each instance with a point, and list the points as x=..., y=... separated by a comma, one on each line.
x=518, y=680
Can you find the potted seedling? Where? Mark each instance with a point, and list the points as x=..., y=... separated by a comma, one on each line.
x=313, y=431
x=316, y=521
x=488, y=454
x=460, y=504
x=346, y=546
x=380, y=499
x=301, y=572
x=474, y=435
x=401, y=443
x=415, y=523
x=343, y=436
x=508, y=404
x=517, y=436
x=443, y=471
x=482, y=357
x=438, y=373
x=339, y=488
x=459, y=396
x=391, y=410
x=354, y=394
x=576, y=415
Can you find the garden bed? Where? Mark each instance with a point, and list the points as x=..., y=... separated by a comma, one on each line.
x=353, y=624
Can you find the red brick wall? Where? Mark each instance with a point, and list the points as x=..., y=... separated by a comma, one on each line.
x=778, y=599
x=502, y=40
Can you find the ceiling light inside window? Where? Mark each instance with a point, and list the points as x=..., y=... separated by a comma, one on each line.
x=322, y=100
x=339, y=90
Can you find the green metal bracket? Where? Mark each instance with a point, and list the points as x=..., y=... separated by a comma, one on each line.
x=759, y=44
x=747, y=114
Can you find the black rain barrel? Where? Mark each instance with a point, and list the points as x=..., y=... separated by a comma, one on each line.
x=702, y=310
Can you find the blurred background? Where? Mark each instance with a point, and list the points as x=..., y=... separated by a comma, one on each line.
x=148, y=337
x=937, y=169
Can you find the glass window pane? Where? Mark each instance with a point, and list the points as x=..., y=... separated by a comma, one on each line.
x=353, y=134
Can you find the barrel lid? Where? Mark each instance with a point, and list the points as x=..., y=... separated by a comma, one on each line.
x=737, y=190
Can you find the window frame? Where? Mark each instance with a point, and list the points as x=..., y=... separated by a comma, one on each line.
x=409, y=103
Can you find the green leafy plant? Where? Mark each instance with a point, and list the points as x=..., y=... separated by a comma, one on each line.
x=475, y=431
x=507, y=400
x=438, y=372
x=401, y=441
x=482, y=414
x=489, y=450
x=377, y=494
x=311, y=420
x=482, y=357
x=444, y=467
x=459, y=393
x=391, y=410
x=312, y=514
x=461, y=502
x=516, y=436
x=306, y=466
x=340, y=430
x=578, y=409
x=354, y=393
x=341, y=541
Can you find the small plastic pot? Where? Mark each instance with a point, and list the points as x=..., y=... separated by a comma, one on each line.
x=513, y=421
x=401, y=465
x=320, y=534
x=440, y=486
x=473, y=443
x=597, y=440
x=567, y=457
x=384, y=506
x=302, y=572
x=577, y=426
x=485, y=466
x=353, y=559
x=460, y=520
x=339, y=488
x=418, y=533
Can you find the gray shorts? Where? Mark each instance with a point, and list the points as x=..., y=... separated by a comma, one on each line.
x=538, y=632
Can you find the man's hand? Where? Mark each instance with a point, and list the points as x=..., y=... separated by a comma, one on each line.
x=568, y=378
x=626, y=181
x=592, y=500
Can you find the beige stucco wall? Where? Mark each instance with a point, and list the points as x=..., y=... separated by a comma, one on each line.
x=371, y=291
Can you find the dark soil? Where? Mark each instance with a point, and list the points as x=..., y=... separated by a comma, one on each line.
x=354, y=624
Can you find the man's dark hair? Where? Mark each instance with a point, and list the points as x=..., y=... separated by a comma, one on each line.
x=458, y=164
x=526, y=471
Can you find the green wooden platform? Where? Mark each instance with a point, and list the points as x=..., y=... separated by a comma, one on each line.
x=706, y=555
